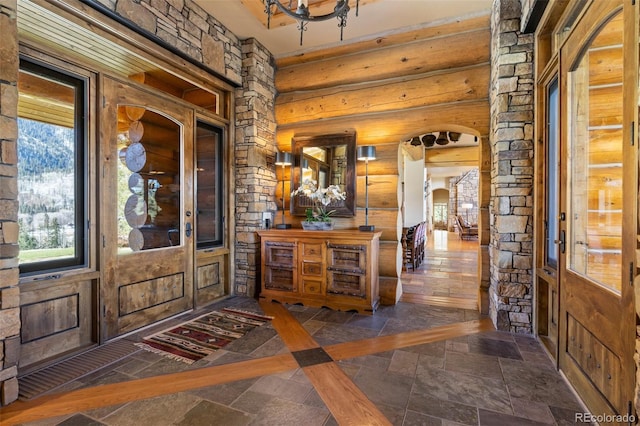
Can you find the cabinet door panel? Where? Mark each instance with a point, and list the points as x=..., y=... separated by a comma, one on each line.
x=345, y=283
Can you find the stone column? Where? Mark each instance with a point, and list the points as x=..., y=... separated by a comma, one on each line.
x=255, y=144
x=9, y=292
x=511, y=138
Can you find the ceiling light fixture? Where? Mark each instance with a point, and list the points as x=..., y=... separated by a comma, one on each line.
x=302, y=14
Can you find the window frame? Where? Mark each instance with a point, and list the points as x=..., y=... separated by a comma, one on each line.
x=81, y=83
x=219, y=199
x=551, y=142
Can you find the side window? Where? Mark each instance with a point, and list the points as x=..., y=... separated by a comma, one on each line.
x=51, y=169
x=552, y=182
x=209, y=200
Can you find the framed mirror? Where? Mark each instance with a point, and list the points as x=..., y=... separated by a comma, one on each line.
x=329, y=160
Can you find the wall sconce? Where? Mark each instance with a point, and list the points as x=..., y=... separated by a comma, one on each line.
x=283, y=159
x=366, y=153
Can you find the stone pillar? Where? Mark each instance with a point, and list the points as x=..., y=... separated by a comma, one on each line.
x=255, y=144
x=9, y=292
x=511, y=139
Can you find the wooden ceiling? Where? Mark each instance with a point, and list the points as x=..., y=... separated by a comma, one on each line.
x=53, y=103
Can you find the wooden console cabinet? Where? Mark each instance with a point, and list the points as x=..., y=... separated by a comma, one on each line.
x=336, y=269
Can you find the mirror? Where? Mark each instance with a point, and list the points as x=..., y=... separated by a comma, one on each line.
x=329, y=160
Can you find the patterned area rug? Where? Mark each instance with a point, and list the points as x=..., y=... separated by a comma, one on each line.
x=193, y=340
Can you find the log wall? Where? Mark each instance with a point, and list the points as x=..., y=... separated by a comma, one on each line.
x=387, y=89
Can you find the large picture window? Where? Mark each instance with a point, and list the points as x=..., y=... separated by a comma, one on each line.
x=51, y=168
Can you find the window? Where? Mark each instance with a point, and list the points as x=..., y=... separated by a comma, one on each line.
x=595, y=158
x=51, y=168
x=209, y=201
x=552, y=183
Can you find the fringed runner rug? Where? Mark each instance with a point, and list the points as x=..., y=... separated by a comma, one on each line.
x=195, y=339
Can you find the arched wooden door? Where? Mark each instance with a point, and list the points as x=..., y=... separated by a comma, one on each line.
x=147, y=208
x=597, y=227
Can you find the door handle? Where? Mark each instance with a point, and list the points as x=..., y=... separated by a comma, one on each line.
x=561, y=241
x=187, y=229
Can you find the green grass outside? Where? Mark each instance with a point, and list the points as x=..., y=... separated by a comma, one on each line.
x=35, y=255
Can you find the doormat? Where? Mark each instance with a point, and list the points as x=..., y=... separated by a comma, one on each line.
x=202, y=336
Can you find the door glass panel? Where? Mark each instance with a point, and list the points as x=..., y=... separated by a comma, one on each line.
x=149, y=184
x=552, y=163
x=440, y=216
x=209, y=188
x=595, y=159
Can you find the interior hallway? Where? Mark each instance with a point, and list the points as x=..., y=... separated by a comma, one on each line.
x=449, y=274
x=410, y=364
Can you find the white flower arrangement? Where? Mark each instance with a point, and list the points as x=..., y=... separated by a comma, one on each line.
x=321, y=197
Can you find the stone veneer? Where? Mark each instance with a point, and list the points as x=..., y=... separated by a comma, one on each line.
x=511, y=139
x=9, y=292
x=464, y=189
x=255, y=178
x=188, y=28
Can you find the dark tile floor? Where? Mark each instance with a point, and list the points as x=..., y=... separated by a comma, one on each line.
x=492, y=378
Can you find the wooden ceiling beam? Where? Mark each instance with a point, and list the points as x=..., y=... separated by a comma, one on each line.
x=465, y=117
x=452, y=157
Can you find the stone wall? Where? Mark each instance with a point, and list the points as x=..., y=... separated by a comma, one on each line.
x=511, y=138
x=9, y=292
x=188, y=28
x=464, y=189
x=255, y=178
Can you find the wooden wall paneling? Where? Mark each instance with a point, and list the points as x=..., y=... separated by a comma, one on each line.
x=445, y=86
x=386, y=161
x=390, y=290
x=386, y=221
x=373, y=129
x=390, y=258
x=378, y=64
x=56, y=319
x=381, y=190
x=454, y=156
x=389, y=40
x=484, y=193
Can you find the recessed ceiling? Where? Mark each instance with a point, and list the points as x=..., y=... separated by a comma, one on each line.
x=246, y=19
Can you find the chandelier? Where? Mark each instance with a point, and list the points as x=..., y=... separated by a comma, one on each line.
x=303, y=16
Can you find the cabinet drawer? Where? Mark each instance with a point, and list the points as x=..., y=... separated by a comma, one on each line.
x=312, y=287
x=313, y=269
x=311, y=250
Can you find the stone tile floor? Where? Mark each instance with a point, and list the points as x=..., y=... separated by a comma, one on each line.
x=492, y=378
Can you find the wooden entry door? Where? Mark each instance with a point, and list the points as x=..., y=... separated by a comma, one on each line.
x=147, y=208
x=597, y=228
